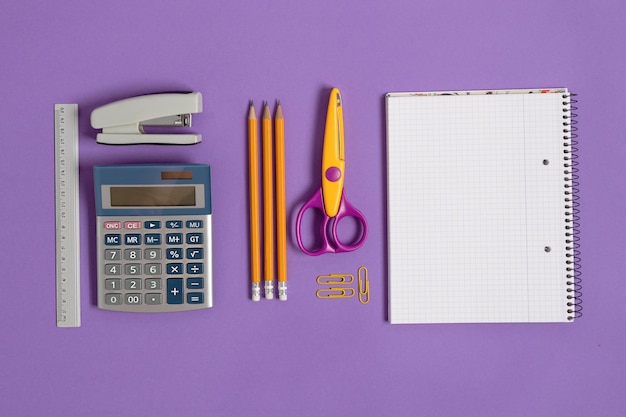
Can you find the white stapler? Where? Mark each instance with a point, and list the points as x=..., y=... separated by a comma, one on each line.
x=122, y=121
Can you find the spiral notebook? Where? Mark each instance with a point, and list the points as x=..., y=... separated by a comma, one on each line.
x=482, y=209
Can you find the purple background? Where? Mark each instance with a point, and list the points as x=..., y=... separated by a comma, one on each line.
x=305, y=357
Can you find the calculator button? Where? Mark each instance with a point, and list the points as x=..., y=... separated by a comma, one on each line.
x=132, y=298
x=195, y=283
x=113, y=269
x=154, y=299
x=195, y=298
x=195, y=268
x=152, y=269
x=113, y=299
x=194, y=224
x=132, y=284
x=132, y=239
x=195, y=253
x=174, y=269
x=152, y=224
x=112, y=254
x=153, y=239
x=132, y=254
x=113, y=284
x=132, y=269
x=174, y=238
x=153, y=283
x=174, y=224
x=195, y=238
x=112, y=240
x=134, y=225
x=174, y=290
x=174, y=253
x=112, y=225
x=154, y=264
x=152, y=254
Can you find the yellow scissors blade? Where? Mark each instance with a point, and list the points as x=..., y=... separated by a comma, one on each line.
x=333, y=162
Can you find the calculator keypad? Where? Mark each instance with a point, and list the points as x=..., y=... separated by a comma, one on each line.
x=154, y=264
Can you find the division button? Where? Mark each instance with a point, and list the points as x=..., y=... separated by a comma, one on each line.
x=195, y=268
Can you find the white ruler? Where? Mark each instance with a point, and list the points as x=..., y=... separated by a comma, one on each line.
x=67, y=214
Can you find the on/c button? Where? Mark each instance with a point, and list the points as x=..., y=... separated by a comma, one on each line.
x=112, y=225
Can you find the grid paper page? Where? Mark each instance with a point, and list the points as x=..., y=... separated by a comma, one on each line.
x=476, y=217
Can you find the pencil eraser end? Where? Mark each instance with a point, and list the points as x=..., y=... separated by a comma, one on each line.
x=269, y=290
x=256, y=292
x=282, y=291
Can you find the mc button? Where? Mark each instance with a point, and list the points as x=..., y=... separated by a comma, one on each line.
x=112, y=240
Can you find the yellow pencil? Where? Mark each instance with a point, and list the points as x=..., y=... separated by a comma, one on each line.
x=268, y=202
x=281, y=211
x=255, y=242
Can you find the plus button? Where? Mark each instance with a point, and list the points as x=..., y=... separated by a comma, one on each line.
x=175, y=291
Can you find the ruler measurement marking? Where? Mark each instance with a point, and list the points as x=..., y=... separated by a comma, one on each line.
x=67, y=215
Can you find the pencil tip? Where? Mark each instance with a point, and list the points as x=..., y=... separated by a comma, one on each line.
x=251, y=112
x=266, y=111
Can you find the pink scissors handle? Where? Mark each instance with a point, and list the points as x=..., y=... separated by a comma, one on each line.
x=330, y=238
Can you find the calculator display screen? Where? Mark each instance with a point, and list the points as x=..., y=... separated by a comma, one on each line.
x=160, y=196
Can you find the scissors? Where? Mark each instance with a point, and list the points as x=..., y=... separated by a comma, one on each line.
x=330, y=198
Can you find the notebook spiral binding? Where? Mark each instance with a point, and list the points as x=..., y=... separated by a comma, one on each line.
x=572, y=212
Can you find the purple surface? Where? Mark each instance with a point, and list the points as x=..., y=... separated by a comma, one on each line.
x=305, y=357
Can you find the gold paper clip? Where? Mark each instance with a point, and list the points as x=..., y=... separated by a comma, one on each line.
x=335, y=292
x=364, y=285
x=336, y=279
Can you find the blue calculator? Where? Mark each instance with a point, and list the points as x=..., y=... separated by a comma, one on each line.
x=154, y=237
